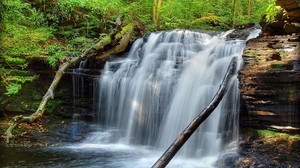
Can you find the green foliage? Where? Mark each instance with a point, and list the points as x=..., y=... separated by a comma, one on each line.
x=24, y=33
x=14, y=83
x=63, y=28
x=18, y=12
x=271, y=12
x=12, y=80
x=73, y=18
x=55, y=54
x=206, y=14
x=16, y=62
x=81, y=42
x=13, y=88
x=20, y=79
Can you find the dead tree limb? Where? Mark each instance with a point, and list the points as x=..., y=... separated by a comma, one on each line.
x=122, y=38
x=191, y=128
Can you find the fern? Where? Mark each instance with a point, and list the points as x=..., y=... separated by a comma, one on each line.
x=271, y=12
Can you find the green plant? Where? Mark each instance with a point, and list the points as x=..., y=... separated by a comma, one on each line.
x=55, y=54
x=13, y=80
x=13, y=88
x=271, y=12
x=81, y=42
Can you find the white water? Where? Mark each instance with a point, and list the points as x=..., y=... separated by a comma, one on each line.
x=145, y=100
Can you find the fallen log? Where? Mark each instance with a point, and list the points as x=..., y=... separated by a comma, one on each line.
x=121, y=38
x=191, y=128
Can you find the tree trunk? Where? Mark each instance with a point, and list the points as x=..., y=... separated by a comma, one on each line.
x=191, y=128
x=249, y=7
x=156, y=12
x=233, y=13
x=121, y=38
x=154, y=8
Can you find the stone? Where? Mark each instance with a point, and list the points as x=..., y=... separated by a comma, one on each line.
x=274, y=56
x=270, y=82
x=296, y=146
x=290, y=28
x=286, y=20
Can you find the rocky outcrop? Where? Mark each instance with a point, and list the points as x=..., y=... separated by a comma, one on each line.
x=26, y=101
x=286, y=20
x=292, y=7
x=270, y=83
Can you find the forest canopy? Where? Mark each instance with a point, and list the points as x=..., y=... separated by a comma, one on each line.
x=50, y=30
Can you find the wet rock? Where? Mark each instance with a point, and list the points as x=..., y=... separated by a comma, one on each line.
x=270, y=82
x=295, y=146
x=47, y=131
x=274, y=56
x=267, y=152
x=228, y=160
x=289, y=5
x=242, y=32
x=296, y=65
x=67, y=133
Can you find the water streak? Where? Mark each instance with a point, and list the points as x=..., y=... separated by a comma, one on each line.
x=150, y=96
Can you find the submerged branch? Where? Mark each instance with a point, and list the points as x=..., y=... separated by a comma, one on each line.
x=191, y=128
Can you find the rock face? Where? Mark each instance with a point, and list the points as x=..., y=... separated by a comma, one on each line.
x=270, y=82
x=27, y=100
x=287, y=20
x=292, y=8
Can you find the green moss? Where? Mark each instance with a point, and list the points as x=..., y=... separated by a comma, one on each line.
x=267, y=133
x=263, y=133
x=124, y=30
x=278, y=67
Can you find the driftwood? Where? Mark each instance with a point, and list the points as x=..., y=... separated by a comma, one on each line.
x=120, y=38
x=191, y=128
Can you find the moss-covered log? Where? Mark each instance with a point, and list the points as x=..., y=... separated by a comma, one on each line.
x=121, y=38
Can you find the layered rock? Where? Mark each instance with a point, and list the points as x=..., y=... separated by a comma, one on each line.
x=270, y=82
x=286, y=20
x=292, y=7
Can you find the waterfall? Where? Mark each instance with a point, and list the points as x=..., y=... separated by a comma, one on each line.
x=150, y=96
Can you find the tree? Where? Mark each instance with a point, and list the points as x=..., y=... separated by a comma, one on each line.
x=156, y=9
x=233, y=13
x=249, y=10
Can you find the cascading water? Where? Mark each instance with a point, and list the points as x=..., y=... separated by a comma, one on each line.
x=150, y=96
